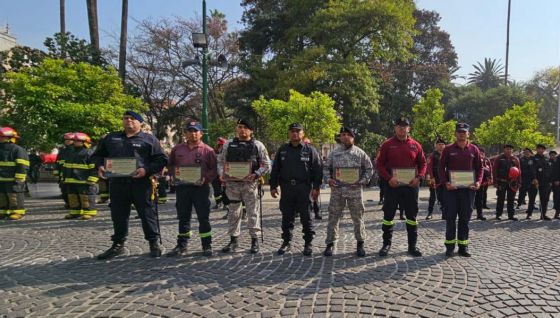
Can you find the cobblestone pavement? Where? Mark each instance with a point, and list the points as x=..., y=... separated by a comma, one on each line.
x=47, y=268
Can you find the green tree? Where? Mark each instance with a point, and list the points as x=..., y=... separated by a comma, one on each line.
x=67, y=46
x=20, y=57
x=46, y=101
x=518, y=126
x=315, y=112
x=289, y=44
x=543, y=88
x=487, y=75
x=428, y=120
x=474, y=106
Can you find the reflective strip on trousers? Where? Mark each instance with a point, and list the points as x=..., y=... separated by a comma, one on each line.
x=447, y=242
x=203, y=235
x=463, y=242
x=412, y=222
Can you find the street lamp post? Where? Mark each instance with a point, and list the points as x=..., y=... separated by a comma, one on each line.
x=204, y=77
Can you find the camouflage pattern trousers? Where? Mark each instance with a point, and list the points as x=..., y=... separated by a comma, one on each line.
x=246, y=192
x=340, y=198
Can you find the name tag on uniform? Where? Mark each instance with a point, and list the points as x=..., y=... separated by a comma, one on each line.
x=304, y=158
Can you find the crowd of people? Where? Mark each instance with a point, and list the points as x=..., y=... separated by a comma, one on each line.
x=126, y=167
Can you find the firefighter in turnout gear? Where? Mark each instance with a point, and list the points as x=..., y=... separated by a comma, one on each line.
x=80, y=179
x=63, y=153
x=543, y=180
x=506, y=183
x=14, y=164
x=243, y=149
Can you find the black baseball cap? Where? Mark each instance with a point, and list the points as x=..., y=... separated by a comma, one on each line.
x=295, y=126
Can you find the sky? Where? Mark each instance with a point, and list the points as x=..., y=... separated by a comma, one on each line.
x=477, y=27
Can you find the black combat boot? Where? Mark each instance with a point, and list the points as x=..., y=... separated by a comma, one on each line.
x=449, y=250
x=384, y=251
x=232, y=245
x=254, y=245
x=116, y=249
x=207, y=249
x=307, y=249
x=414, y=251
x=156, y=249
x=464, y=251
x=329, y=250
x=360, y=252
x=544, y=217
x=179, y=250
x=286, y=247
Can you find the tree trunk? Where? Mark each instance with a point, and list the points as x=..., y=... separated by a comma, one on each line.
x=122, y=47
x=93, y=30
x=63, y=28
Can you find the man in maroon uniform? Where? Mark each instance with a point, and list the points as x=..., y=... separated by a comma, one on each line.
x=460, y=170
x=402, y=164
x=198, y=156
x=506, y=185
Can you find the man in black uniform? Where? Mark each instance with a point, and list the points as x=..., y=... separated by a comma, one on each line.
x=527, y=176
x=437, y=190
x=506, y=182
x=135, y=189
x=543, y=180
x=297, y=169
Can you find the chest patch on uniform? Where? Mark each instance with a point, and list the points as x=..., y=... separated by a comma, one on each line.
x=116, y=138
x=412, y=147
x=136, y=145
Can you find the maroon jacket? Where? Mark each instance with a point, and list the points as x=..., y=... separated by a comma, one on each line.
x=454, y=157
x=400, y=154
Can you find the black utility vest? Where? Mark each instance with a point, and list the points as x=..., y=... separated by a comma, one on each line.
x=243, y=151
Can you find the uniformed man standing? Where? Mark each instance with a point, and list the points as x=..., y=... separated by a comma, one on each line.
x=480, y=195
x=463, y=158
x=297, y=170
x=193, y=153
x=506, y=181
x=243, y=149
x=14, y=163
x=543, y=180
x=348, y=169
x=136, y=189
x=63, y=153
x=437, y=190
x=526, y=161
x=401, y=155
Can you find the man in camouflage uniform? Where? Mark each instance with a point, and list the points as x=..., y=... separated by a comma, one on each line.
x=343, y=193
x=243, y=148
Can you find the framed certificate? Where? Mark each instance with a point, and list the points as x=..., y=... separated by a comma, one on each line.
x=461, y=178
x=347, y=175
x=237, y=170
x=120, y=167
x=404, y=175
x=188, y=174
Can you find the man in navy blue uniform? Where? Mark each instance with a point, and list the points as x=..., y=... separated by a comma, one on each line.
x=134, y=189
x=460, y=159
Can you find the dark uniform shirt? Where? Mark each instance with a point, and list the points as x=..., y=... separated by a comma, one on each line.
x=433, y=166
x=501, y=168
x=543, y=169
x=527, y=168
x=395, y=153
x=144, y=147
x=454, y=157
x=301, y=163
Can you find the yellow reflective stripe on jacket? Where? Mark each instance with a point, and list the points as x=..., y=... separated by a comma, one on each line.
x=22, y=162
x=92, y=179
x=75, y=181
x=7, y=163
x=21, y=176
x=7, y=179
x=79, y=166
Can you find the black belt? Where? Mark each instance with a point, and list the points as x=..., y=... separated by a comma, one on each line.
x=292, y=182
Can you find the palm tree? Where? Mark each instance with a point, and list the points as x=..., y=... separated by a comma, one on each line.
x=93, y=30
x=487, y=76
x=122, y=46
x=63, y=27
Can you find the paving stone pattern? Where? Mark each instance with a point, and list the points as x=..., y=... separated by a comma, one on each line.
x=47, y=268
